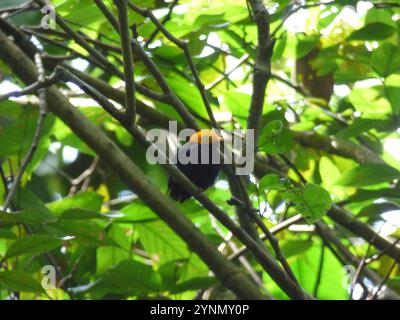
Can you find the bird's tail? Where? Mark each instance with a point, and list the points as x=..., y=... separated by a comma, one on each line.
x=178, y=193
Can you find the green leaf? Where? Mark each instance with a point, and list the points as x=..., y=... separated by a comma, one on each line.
x=317, y=201
x=32, y=207
x=372, y=31
x=328, y=170
x=393, y=95
x=385, y=60
x=273, y=128
x=34, y=244
x=87, y=232
x=28, y=216
x=133, y=275
x=378, y=15
x=137, y=211
x=370, y=102
x=16, y=137
x=312, y=202
x=364, y=194
x=270, y=182
x=291, y=248
x=7, y=234
x=305, y=45
x=238, y=103
x=163, y=245
x=306, y=269
x=84, y=200
x=109, y=256
x=83, y=214
x=368, y=174
x=275, y=138
x=281, y=143
x=359, y=126
x=19, y=281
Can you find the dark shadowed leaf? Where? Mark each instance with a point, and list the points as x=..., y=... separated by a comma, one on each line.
x=372, y=31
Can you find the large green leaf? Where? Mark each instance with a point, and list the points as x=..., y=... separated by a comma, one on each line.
x=373, y=31
x=163, y=245
x=28, y=216
x=33, y=244
x=87, y=232
x=238, y=103
x=133, y=276
x=368, y=174
x=275, y=138
x=109, y=256
x=84, y=200
x=312, y=201
x=386, y=59
x=16, y=137
x=19, y=281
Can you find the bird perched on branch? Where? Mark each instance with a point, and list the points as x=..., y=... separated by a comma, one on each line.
x=198, y=159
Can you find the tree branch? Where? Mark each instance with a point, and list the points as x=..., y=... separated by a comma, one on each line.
x=262, y=66
x=337, y=146
x=130, y=100
x=38, y=131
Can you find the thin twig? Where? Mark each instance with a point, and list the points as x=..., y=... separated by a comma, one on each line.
x=217, y=81
x=385, y=279
x=292, y=9
x=383, y=252
x=165, y=87
x=167, y=17
x=320, y=268
x=244, y=262
x=33, y=88
x=84, y=176
x=272, y=239
x=84, y=44
x=383, y=5
x=130, y=99
x=360, y=268
x=37, y=135
x=274, y=230
x=103, y=8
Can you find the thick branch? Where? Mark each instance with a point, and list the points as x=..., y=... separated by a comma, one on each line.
x=262, y=66
x=363, y=230
x=337, y=146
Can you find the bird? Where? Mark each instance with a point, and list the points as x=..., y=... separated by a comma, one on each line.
x=203, y=144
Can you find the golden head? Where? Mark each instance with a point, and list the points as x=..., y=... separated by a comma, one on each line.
x=205, y=136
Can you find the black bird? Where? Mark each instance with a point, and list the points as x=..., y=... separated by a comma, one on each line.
x=198, y=160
